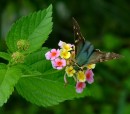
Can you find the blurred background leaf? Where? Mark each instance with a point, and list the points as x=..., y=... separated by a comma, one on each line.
x=106, y=25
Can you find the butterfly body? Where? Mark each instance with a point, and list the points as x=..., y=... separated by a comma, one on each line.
x=85, y=52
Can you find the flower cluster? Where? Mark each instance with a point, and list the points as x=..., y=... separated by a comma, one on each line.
x=17, y=57
x=65, y=58
x=59, y=57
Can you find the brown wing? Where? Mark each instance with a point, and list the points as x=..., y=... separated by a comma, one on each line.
x=79, y=39
x=99, y=56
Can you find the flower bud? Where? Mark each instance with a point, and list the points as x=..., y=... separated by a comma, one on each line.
x=23, y=44
x=17, y=57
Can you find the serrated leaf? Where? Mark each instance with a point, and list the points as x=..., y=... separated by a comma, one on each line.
x=5, y=56
x=48, y=88
x=47, y=92
x=8, y=78
x=37, y=61
x=36, y=56
x=35, y=28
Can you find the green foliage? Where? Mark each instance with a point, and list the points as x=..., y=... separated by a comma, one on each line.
x=97, y=18
x=35, y=28
x=111, y=42
x=5, y=56
x=36, y=80
x=46, y=92
x=47, y=88
x=9, y=77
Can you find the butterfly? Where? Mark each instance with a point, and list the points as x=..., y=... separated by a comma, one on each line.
x=84, y=51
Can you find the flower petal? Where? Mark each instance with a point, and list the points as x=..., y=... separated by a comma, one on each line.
x=79, y=90
x=59, y=68
x=89, y=76
x=60, y=43
x=48, y=55
x=53, y=64
x=64, y=62
x=58, y=63
x=53, y=54
x=53, y=50
x=80, y=86
x=91, y=66
x=64, y=54
x=70, y=71
x=81, y=76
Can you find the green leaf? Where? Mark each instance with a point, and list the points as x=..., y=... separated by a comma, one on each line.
x=48, y=88
x=5, y=56
x=47, y=92
x=37, y=61
x=36, y=56
x=8, y=78
x=3, y=66
x=35, y=28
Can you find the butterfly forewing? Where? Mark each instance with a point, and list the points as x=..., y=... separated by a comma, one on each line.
x=79, y=39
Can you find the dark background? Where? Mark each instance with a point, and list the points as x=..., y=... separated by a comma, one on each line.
x=106, y=23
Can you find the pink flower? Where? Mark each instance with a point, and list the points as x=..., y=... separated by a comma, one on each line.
x=89, y=76
x=58, y=63
x=53, y=54
x=60, y=43
x=80, y=86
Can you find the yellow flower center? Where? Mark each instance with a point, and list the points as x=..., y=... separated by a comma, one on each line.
x=59, y=63
x=81, y=76
x=70, y=71
x=54, y=54
x=64, y=54
x=67, y=47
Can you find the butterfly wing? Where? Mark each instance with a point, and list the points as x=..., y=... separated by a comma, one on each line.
x=99, y=56
x=85, y=53
x=84, y=50
x=79, y=39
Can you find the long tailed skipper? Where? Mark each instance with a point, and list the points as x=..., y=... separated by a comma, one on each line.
x=84, y=51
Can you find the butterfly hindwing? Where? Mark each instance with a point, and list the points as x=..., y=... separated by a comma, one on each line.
x=85, y=53
x=99, y=56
